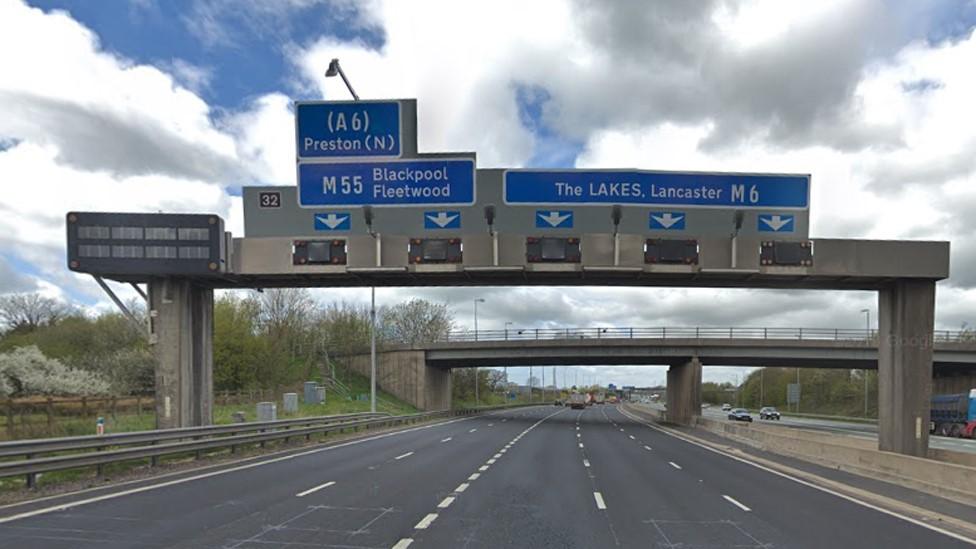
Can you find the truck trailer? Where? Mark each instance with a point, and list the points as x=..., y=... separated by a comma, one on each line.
x=954, y=415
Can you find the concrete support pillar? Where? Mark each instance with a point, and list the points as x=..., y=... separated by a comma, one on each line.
x=181, y=316
x=906, y=311
x=684, y=392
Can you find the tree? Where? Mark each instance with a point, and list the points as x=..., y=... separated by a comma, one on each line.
x=26, y=371
x=417, y=321
x=27, y=311
x=241, y=353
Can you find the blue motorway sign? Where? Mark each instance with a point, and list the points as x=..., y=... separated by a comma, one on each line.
x=332, y=221
x=348, y=129
x=638, y=187
x=442, y=220
x=772, y=223
x=555, y=219
x=667, y=221
x=435, y=182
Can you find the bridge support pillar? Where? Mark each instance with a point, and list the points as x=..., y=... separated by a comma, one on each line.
x=906, y=311
x=181, y=330
x=684, y=392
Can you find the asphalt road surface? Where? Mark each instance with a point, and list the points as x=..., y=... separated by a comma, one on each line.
x=532, y=477
x=867, y=431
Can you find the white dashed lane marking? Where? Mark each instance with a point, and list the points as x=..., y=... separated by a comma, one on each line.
x=403, y=543
x=408, y=454
x=315, y=489
x=425, y=522
x=736, y=503
x=448, y=439
x=600, y=504
x=446, y=502
x=675, y=465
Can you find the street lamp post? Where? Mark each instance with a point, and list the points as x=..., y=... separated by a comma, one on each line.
x=505, y=368
x=867, y=327
x=334, y=70
x=477, y=401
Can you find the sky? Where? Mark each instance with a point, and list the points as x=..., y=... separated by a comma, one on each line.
x=151, y=105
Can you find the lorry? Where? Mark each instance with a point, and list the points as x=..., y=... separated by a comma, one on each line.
x=599, y=398
x=954, y=415
x=577, y=401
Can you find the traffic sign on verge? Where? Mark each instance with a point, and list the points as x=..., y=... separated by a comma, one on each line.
x=441, y=181
x=667, y=221
x=554, y=219
x=332, y=221
x=775, y=223
x=348, y=129
x=442, y=220
x=792, y=393
x=654, y=188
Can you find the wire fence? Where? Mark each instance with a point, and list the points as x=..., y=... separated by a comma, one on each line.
x=700, y=332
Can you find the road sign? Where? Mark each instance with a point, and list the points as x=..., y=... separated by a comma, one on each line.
x=792, y=393
x=775, y=223
x=636, y=187
x=442, y=182
x=348, y=129
x=332, y=221
x=554, y=219
x=442, y=220
x=667, y=221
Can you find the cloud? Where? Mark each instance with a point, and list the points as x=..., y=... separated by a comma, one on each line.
x=98, y=110
x=12, y=281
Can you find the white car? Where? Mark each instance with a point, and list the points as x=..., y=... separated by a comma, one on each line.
x=726, y=407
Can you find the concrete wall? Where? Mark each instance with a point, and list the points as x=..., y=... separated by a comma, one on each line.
x=953, y=383
x=406, y=375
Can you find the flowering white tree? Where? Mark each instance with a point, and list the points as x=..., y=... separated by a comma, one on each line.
x=26, y=371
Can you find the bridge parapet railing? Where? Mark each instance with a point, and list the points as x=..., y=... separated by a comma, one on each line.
x=686, y=332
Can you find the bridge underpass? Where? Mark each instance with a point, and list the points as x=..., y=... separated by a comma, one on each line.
x=684, y=350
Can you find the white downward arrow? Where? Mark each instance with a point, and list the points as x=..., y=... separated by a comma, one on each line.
x=554, y=219
x=776, y=222
x=666, y=220
x=442, y=218
x=332, y=220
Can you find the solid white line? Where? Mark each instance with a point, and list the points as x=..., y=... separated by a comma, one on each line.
x=425, y=522
x=806, y=483
x=315, y=489
x=408, y=454
x=474, y=476
x=461, y=487
x=586, y=463
x=648, y=448
x=448, y=439
x=675, y=465
x=446, y=503
x=599, y=500
x=736, y=503
x=140, y=489
x=403, y=543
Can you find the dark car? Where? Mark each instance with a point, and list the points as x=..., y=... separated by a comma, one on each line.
x=769, y=413
x=740, y=414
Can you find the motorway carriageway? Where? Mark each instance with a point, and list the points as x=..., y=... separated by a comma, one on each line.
x=536, y=477
x=867, y=431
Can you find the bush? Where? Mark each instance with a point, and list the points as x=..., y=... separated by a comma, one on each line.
x=26, y=371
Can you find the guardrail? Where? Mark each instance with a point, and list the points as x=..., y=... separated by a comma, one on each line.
x=105, y=449
x=702, y=332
